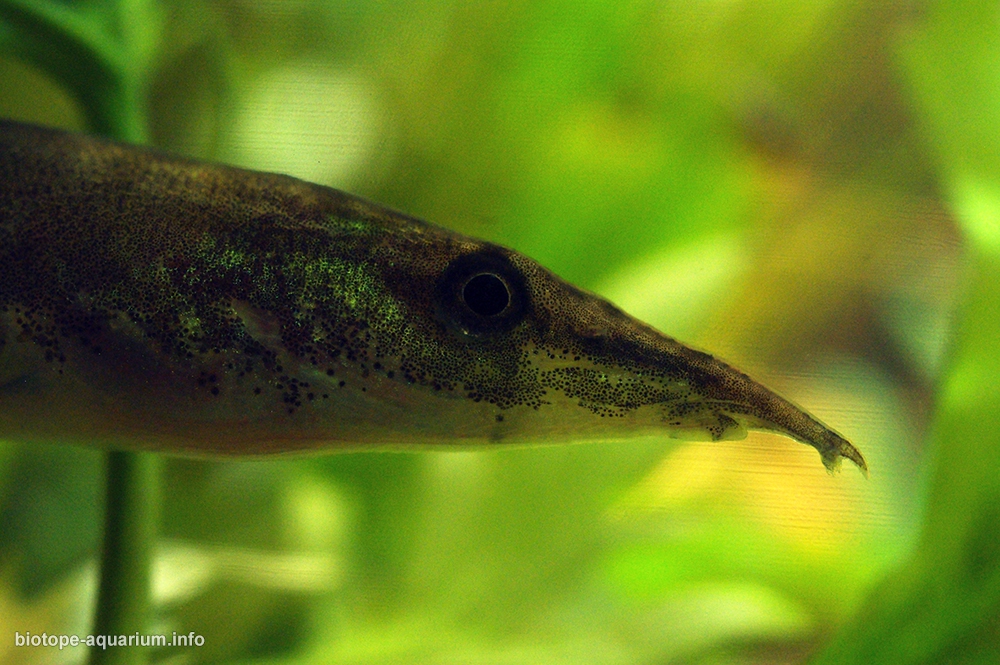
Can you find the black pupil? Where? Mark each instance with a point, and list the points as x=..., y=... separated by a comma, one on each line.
x=486, y=295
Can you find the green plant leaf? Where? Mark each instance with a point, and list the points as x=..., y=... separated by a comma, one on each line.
x=99, y=52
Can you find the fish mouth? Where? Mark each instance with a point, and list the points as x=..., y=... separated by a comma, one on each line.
x=724, y=407
x=794, y=422
x=738, y=403
x=629, y=367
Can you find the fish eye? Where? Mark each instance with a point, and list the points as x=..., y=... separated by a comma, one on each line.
x=482, y=293
x=486, y=294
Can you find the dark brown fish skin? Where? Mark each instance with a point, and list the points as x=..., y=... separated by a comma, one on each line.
x=153, y=302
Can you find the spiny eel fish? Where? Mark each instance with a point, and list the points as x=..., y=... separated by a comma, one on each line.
x=150, y=302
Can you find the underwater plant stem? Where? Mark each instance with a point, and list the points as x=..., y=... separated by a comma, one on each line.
x=130, y=524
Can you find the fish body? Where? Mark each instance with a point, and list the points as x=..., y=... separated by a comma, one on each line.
x=158, y=303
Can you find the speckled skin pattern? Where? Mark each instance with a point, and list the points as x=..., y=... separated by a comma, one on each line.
x=158, y=303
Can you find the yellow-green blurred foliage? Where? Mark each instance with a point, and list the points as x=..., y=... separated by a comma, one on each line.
x=782, y=183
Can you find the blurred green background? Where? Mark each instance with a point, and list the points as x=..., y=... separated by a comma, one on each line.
x=809, y=190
